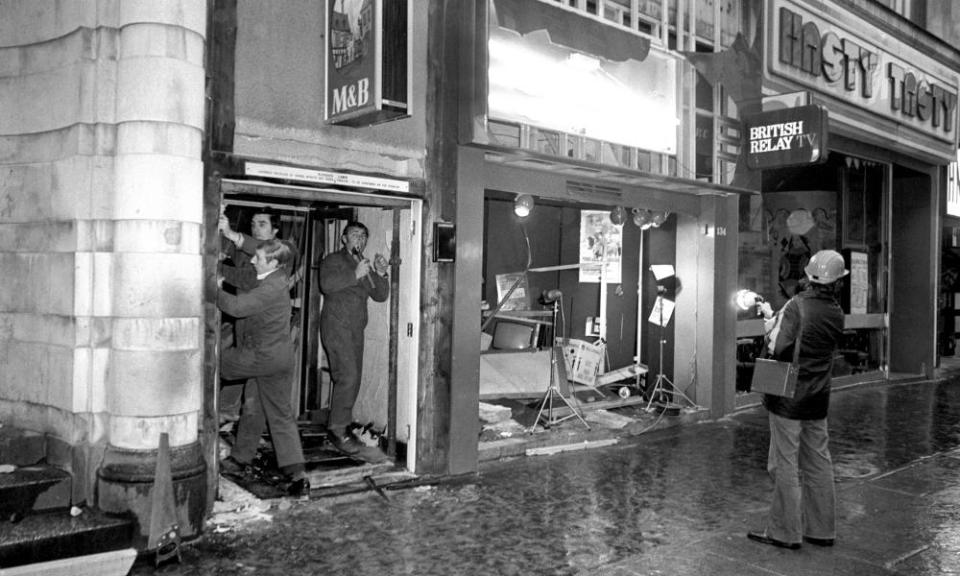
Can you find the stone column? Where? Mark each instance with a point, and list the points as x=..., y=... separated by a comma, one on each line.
x=100, y=229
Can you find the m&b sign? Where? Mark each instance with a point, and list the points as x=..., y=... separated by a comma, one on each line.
x=367, y=55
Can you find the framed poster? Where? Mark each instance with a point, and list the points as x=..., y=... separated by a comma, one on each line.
x=601, y=241
x=859, y=282
x=518, y=298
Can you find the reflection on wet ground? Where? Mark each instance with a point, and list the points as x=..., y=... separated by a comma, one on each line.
x=676, y=500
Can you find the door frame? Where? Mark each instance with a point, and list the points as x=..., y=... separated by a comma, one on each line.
x=407, y=297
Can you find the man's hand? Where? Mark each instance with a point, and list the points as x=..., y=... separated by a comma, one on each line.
x=380, y=264
x=223, y=225
x=363, y=268
x=766, y=310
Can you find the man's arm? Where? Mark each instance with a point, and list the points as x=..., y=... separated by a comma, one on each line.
x=789, y=328
x=247, y=244
x=243, y=276
x=246, y=303
x=380, y=290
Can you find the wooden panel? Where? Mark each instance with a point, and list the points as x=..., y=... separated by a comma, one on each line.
x=514, y=374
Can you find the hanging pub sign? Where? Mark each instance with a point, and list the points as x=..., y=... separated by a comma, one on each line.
x=786, y=137
x=367, y=61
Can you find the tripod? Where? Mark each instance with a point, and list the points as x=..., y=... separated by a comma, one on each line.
x=659, y=387
x=556, y=367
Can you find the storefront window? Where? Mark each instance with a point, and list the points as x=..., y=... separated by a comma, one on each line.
x=838, y=205
x=729, y=14
x=572, y=96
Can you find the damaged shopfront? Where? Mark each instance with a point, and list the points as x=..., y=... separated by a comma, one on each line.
x=595, y=262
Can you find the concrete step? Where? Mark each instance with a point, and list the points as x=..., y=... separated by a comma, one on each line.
x=33, y=488
x=55, y=535
x=20, y=447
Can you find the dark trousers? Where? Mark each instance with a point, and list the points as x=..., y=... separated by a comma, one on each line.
x=268, y=391
x=344, y=348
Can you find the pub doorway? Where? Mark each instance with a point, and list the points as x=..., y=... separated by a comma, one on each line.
x=312, y=221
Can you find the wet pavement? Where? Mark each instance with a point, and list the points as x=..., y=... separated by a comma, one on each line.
x=674, y=501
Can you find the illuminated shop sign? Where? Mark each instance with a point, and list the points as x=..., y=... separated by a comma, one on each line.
x=367, y=52
x=787, y=137
x=552, y=68
x=816, y=50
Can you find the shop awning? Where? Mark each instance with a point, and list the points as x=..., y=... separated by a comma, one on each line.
x=578, y=181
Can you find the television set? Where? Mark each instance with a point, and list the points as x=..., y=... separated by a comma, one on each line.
x=514, y=335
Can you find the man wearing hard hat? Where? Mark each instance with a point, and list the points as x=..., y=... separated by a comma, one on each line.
x=798, y=426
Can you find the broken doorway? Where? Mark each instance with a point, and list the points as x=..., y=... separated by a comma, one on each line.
x=312, y=219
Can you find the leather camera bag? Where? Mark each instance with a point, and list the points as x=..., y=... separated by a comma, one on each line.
x=775, y=376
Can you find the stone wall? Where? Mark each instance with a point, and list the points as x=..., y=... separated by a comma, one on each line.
x=100, y=226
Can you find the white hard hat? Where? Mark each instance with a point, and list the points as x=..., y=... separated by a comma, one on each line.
x=825, y=267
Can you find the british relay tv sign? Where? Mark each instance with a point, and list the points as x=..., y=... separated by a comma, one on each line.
x=788, y=137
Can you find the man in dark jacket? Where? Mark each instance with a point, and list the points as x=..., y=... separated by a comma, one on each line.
x=264, y=356
x=804, y=511
x=347, y=279
x=238, y=271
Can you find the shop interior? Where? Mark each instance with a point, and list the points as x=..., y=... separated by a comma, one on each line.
x=384, y=413
x=572, y=296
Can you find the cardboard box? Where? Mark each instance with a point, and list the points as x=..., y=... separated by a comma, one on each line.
x=583, y=360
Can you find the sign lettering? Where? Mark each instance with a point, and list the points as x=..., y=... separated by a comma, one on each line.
x=818, y=51
x=351, y=96
x=785, y=137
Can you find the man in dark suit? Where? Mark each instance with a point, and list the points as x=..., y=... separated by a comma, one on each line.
x=237, y=270
x=264, y=355
x=347, y=280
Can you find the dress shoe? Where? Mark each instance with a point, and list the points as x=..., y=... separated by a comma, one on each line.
x=346, y=443
x=818, y=541
x=762, y=538
x=299, y=488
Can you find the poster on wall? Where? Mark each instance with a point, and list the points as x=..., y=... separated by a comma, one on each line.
x=859, y=282
x=513, y=287
x=601, y=242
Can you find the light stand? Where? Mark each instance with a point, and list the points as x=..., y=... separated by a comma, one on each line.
x=556, y=364
x=660, y=385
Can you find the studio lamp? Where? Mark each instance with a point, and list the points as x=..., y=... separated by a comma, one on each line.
x=642, y=218
x=522, y=205
x=747, y=299
x=646, y=219
x=658, y=218
x=667, y=286
x=618, y=215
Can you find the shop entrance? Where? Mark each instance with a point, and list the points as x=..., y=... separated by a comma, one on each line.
x=843, y=205
x=312, y=221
